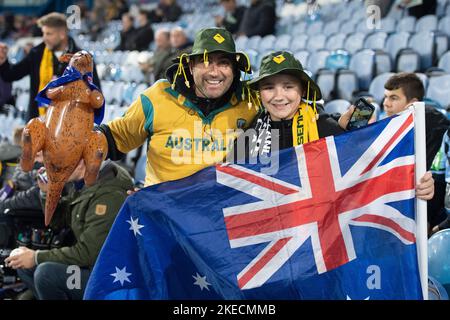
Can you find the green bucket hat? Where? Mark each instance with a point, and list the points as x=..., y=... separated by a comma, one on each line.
x=211, y=40
x=284, y=62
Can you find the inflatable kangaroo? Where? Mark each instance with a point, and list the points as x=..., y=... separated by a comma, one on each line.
x=66, y=134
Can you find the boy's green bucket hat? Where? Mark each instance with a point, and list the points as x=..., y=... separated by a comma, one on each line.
x=284, y=62
x=211, y=40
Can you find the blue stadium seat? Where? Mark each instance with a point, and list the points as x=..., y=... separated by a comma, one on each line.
x=299, y=42
x=444, y=62
x=331, y=27
x=346, y=84
x=253, y=42
x=325, y=80
x=423, y=43
x=440, y=42
x=354, y=42
x=407, y=24
x=314, y=28
x=363, y=64
x=316, y=42
x=338, y=59
x=438, y=90
x=444, y=25
x=375, y=41
x=302, y=56
x=266, y=43
x=348, y=27
x=317, y=60
x=241, y=42
x=283, y=42
x=336, y=106
x=439, y=257
x=376, y=88
x=427, y=23
x=335, y=41
x=383, y=62
x=388, y=25
x=140, y=88
x=408, y=60
x=395, y=42
x=424, y=79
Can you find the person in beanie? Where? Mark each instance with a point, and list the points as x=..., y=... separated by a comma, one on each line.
x=288, y=97
x=187, y=118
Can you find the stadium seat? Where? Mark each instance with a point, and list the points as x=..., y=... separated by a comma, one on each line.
x=444, y=62
x=283, y=42
x=375, y=41
x=337, y=106
x=441, y=43
x=316, y=42
x=325, y=80
x=335, y=41
x=317, y=60
x=407, y=24
x=140, y=88
x=299, y=42
x=439, y=257
x=241, y=42
x=427, y=23
x=363, y=64
x=354, y=42
x=348, y=27
x=314, y=28
x=424, y=79
x=302, y=56
x=438, y=90
x=388, y=25
x=408, y=60
x=267, y=43
x=444, y=25
x=346, y=84
x=376, y=88
x=382, y=62
x=423, y=43
x=331, y=27
x=395, y=42
x=253, y=42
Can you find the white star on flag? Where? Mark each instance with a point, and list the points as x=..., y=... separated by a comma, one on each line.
x=201, y=282
x=121, y=275
x=348, y=298
x=135, y=226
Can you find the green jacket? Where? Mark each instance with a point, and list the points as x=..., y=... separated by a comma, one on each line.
x=89, y=212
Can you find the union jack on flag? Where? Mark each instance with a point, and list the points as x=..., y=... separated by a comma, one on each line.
x=336, y=221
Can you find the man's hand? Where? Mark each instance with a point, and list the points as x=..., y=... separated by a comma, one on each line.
x=3, y=53
x=42, y=184
x=130, y=192
x=425, y=189
x=22, y=260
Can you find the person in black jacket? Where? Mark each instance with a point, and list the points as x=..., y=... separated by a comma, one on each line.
x=259, y=19
x=418, y=11
x=42, y=62
x=144, y=33
x=127, y=33
x=233, y=16
x=167, y=11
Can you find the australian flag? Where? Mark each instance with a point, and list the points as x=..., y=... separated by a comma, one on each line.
x=336, y=221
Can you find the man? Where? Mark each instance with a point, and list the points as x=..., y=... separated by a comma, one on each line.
x=144, y=33
x=89, y=212
x=403, y=89
x=161, y=58
x=179, y=42
x=233, y=16
x=166, y=11
x=186, y=120
x=259, y=19
x=42, y=62
x=127, y=33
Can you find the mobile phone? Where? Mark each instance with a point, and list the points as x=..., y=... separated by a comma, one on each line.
x=361, y=115
x=43, y=176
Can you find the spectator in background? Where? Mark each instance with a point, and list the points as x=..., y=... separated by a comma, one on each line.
x=9, y=29
x=42, y=62
x=144, y=33
x=89, y=212
x=127, y=33
x=179, y=41
x=167, y=11
x=384, y=5
x=233, y=16
x=145, y=62
x=419, y=10
x=259, y=19
x=162, y=55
